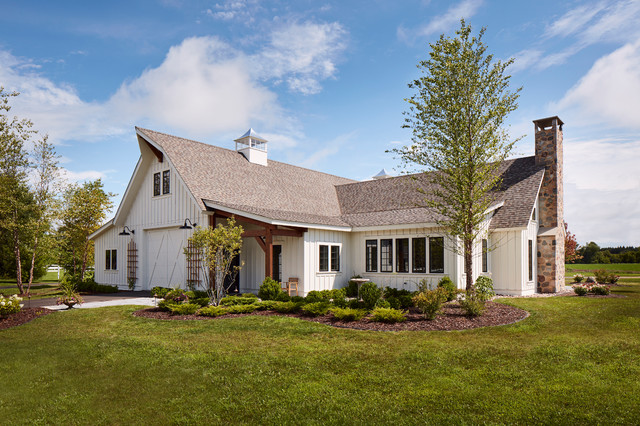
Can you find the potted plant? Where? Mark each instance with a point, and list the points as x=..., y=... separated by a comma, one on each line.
x=69, y=296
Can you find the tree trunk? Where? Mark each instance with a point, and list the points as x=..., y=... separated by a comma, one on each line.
x=84, y=260
x=468, y=259
x=16, y=251
x=33, y=263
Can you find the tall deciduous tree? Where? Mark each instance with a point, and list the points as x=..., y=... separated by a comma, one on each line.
x=215, y=249
x=570, y=246
x=457, y=117
x=85, y=210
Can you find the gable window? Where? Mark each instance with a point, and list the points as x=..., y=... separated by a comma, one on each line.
x=111, y=260
x=402, y=255
x=530, y=260
x=156, y=184
x=419, y=256
x=166, y=182
x=329, y=258
x=436, y=255
x=386, y=255
x=485, y=255
x=371, y=249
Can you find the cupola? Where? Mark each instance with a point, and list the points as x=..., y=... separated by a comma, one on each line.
x=253, y=147
x=382, y=175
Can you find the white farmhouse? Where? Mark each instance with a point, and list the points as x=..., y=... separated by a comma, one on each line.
x=323, y=229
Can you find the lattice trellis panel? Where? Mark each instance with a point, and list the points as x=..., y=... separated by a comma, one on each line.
x=132, y=261
x=194, y=263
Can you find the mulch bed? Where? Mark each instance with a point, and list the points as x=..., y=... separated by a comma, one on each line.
x=451, y=318
x=24, y=316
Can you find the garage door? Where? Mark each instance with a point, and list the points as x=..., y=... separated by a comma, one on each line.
x=165, y=257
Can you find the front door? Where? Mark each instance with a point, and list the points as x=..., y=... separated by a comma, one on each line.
x=277, y=263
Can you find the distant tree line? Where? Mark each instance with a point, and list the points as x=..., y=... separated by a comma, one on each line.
x=593, y=253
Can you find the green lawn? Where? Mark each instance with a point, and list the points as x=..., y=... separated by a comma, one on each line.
x=629, y=269
x=48, y=277
x=38, y=291
x=573, y=361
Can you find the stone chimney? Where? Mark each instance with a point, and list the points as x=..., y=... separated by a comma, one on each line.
x=550, y=241
x=253, y=147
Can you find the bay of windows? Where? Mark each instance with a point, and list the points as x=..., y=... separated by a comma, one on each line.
x=379, y=255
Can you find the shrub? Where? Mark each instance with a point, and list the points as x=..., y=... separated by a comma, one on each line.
x=165, y=305
x=348, y=314
x=590, y=280
x=212, y=311
x=406, y=301
x=484, y=288
x=316, y=309
x=351, y=290
x=394, y=292
x=356, y=304
x=601, y=275
x=202, y=301
x=370, y=294
x=184, y=309
x=283, y=297
x=266, y=305
x=9, y=305
x=381, y=303
x=600, y=289
x=472, y=304
x=314, y=296
x=241, y=309
x=579, y=289
x=286, y=307
x=430, y=302
x=199, y=294
x=393, y=302
x=90, y=286
x=425, y=284
x=270, y=289
x=451, y=291
x=238, y=300
x=160, y=291
x=298, y=299
x=613, y=278
x=177, y=295
x=578, y=278
x=388, y=315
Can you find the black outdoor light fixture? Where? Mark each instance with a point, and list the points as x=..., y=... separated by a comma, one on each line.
x=124, y=231
x=185, y=226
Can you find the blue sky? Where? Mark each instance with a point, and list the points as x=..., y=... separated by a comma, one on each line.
x=325, y=82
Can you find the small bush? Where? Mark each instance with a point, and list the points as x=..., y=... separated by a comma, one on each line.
x=348, y=314
x=599, y=289
x=613, y=278
x=283, y=297
x=199, y=294
x=601, y=275
x=394, y=292
x=472, y=304
x=270, y=289
x=406, y=301
x=298, y=299
x=177, y=295
x=356, y=304
x=287, y=307
x=314, y=296
x=238, y=300
x=580, y=290
x=160, y=291
x=212, y=311
x=370, y=294
x=184, y=309
x=316, y=309
x=266, y=305
x=590, y=280
x=165, y=305
x=90, y=286
x=451, y=291
x=578, y=278
x=351, y=290
x=484, y=288
x=393, y=302
x=381, y=303
x=388, y=315
x=202, y=301
x=430, y=302
x=9, y=305
x=241, y=309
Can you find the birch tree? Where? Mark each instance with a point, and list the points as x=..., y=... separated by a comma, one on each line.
x=457, y=117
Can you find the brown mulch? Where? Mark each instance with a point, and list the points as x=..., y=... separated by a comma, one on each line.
x=451, y=318
x=24, y=316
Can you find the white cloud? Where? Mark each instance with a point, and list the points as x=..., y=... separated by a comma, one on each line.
x=610, y=91
x=239, y=10
x=441, y=23
x=574, y=20
x=84, y=175
x=525, y=59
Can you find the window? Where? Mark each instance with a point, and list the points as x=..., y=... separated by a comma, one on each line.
x=419, y=258
x=156, y=184
x=111, y=260
x=335, y=258
x=386, y=255
x=324, y=259
x=530, y=260
x=166, y=182
x=329, y=263
x=402, y=255
x=485, y=255
x=371, y=253
x=436, y=255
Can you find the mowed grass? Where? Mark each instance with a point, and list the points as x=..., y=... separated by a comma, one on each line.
x=629, y=269
x=575, y=360
x=48, y=277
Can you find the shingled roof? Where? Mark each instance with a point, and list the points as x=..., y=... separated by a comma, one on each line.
x=280, y=191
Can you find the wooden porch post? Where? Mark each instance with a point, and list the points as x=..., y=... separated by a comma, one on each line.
x=268, y=254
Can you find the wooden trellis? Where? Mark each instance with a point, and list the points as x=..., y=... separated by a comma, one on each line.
x=132, y=262
x=194, y=263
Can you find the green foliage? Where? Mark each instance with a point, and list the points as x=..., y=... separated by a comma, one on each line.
x=472, y=304
x=351, y=290
x=216, y=248
x=600, y=289
x=348, y=314
x=370, y=294
x=601, y=275
x=398, y=299
x=457, y=115
x=449, y=287
x=430, y=302
x=160, y=291
x=337, y=296
x=201, y=301
x=316, y=309
x=484, y=288
x=382, y=303
x=9, y=305
x=197, y=294
x=69, y=293
x=578, y=278
x=283, y=297
x=287, y=307
x=212, y=311
x=88, y=285
x=270, y=289
x=580, y=290
x=298, y=299
x=266, y=305
x=238, y=300
x=165, y=305
x=177, y=295
x=388, y=315
x=356, y=304
x=184, y=308
x=613, y=278
x=241, y=309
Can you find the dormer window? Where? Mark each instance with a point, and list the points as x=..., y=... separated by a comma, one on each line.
x=163, y=183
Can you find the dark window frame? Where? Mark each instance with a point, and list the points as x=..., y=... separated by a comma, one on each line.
x=166, y=182
x=418, y=262
x=436, y=264
x=485, y=255
x=371, y=255
x=386, y=256
x=402, y=255
x=111, y=260
x=157, y=182
x=323, y=258
x=334, y=258
x=530, y=260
